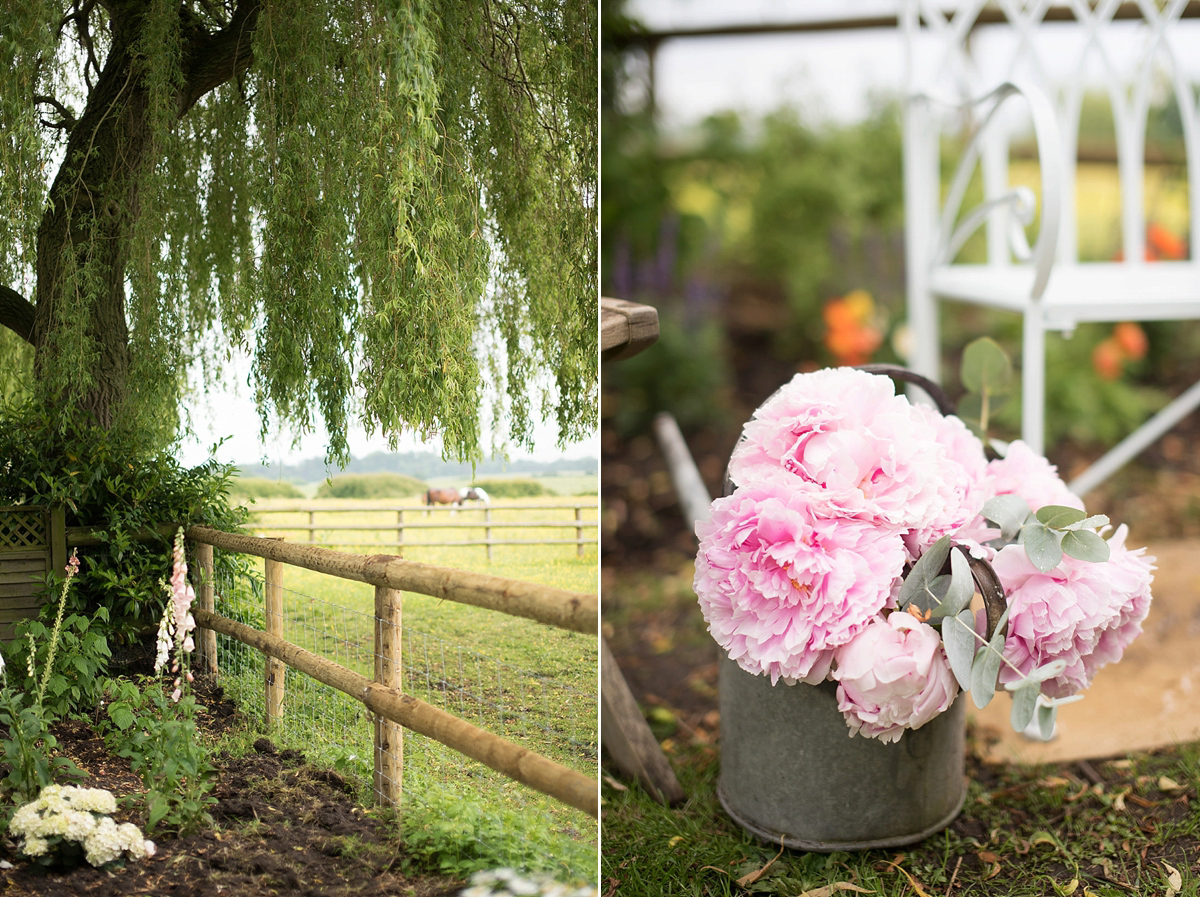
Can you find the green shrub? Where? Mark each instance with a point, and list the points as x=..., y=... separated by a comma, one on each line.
x=371, y=485
x=112, y=484
x=521, y=488
x=261, y=487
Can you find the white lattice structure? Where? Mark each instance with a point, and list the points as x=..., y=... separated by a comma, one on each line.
x=999, y=79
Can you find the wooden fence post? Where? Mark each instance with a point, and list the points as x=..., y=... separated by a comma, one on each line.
x=312, y=532
x=399, y=530
x=487, y=531
x=274, y=669
x=579, y=531
x=207, y=595
x=389, y=737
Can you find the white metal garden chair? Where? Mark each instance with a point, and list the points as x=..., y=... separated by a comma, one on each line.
x=998, y=67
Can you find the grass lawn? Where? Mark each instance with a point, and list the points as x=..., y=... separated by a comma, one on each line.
x=1124, y=826
x=532, y=684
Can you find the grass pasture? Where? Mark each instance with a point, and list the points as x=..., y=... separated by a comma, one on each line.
x=532, y=684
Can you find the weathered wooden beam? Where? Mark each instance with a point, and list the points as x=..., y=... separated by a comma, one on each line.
x=577, y=611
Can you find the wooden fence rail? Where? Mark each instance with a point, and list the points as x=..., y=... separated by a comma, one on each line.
x=415, y=518
x=575, y=611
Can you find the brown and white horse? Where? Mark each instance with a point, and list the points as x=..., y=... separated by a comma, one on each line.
x=455, y=496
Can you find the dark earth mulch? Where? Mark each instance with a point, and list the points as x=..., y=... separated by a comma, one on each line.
x=282, y=827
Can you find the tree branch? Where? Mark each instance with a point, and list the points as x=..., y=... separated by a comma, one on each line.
x=16, y=313
x=67, y=117
x=213, y=59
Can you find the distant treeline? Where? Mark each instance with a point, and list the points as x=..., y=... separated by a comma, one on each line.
x=419, y=465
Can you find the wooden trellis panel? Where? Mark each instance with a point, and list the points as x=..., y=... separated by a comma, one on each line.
x=32, y=542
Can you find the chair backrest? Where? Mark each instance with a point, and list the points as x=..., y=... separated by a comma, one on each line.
x=1142, y=57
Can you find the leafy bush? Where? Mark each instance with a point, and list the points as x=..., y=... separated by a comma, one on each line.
x=521, y=488
x=371, y=485
x=110, y=483
x=261, y=487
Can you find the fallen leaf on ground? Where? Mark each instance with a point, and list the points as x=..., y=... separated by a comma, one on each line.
x=1165, y=783
x=829, y=890
x=1174, y=879
x=921, y=892
x=751, y=878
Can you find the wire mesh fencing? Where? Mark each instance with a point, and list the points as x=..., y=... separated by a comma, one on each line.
x=550, y=709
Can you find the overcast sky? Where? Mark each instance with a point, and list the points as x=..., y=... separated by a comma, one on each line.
x=827, y=75
x=230, y=412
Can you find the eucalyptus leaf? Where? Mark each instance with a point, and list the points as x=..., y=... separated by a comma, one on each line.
x=1009, y=512
x=958, y=637
x=986, y=368
x=1042, y=546
x=962, y=585
x=1039, y=675
x=1059, y=516
x=920, y=578
x=984, y=670
x=1085, y=545
x=1023, y=707
x=1090, y=523
x=1046, y=715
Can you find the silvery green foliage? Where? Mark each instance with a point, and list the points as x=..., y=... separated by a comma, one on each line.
x=944, y=599
x=1050, y=533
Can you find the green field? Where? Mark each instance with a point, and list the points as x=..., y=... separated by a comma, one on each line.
x=530, y=683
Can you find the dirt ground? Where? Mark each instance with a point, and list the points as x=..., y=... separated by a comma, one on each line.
x=283, y=827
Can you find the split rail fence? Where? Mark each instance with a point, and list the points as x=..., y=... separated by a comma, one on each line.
x=382, y=694
x=502, y=524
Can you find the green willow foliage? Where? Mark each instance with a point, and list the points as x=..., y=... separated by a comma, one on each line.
x=391, y=205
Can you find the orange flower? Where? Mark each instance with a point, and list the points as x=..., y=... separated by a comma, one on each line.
x=1108, y=359
x=1132, y=340
x=851, y=333
x=1162, y=244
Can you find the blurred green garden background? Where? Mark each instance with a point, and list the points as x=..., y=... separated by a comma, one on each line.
x=772, y=244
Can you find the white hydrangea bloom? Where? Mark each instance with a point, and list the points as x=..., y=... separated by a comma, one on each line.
x=68, y=813
x=509, y=883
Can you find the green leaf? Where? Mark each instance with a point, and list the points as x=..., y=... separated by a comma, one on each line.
x=986, y=368
x=958, y=637
x=1090, y=523
x=1009, y=512
x=984, y=670
x=918, y=585
x=1059, y=516
x=986, y=666
x=1085, y=545
x=1024, y=705
x=1046, y=715
x=1039, y=675
x=1042, y=546
x=961, y=587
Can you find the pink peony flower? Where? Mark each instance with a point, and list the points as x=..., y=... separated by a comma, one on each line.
x=1024, y=472
x=870, y=454
x=893, y=675
x=781, y=587
x=962, y=478
x=1080, y=612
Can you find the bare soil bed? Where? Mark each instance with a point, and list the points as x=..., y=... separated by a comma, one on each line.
x=282, y=827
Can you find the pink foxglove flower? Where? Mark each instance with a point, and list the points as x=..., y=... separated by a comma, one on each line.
x=892, y=676
x=1080, y=612
x=781, y=587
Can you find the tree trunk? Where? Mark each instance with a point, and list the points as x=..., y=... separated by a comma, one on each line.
x=83, y=240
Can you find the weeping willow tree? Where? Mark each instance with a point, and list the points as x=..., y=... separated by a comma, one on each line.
x=385, y=203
